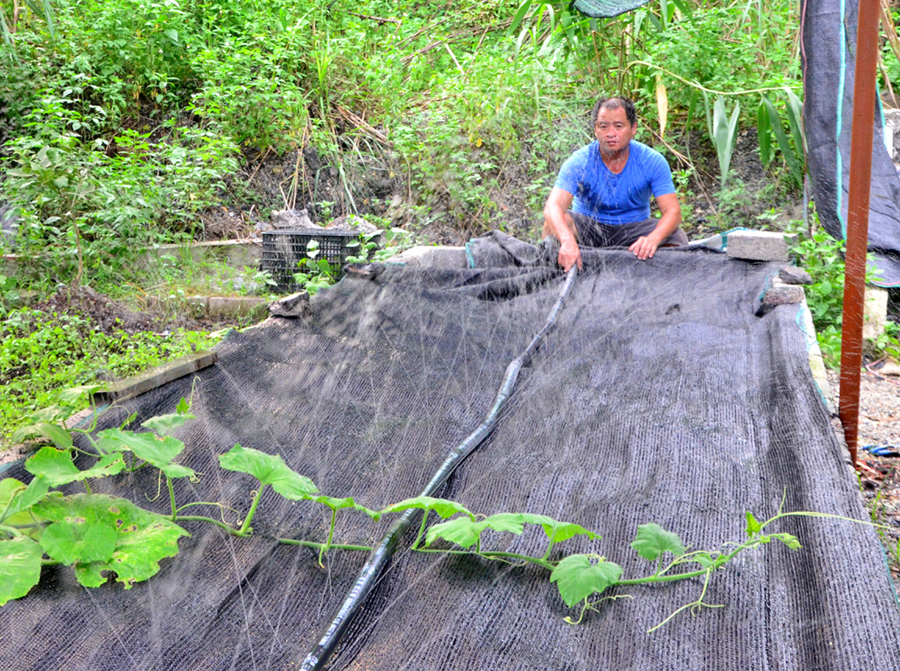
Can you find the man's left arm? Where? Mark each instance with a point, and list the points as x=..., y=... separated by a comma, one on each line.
x=670, y=218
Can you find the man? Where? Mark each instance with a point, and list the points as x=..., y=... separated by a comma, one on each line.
x=607, y=185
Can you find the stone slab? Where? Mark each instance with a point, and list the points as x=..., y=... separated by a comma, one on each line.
x=234, y=306
x=291, y=307
x=444, y=258
x=760, y=245
x=9, y=264
x=235, y=253
x=153, y=378
x=783, y=294
x=795, y=275
x=875, y=308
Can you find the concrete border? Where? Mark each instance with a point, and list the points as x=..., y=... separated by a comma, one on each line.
x=153, y=378
x=816, y=361
x=236, y=253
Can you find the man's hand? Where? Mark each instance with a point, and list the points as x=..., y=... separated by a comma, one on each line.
x=670, y=210
x=569, y=255
x=645, y=246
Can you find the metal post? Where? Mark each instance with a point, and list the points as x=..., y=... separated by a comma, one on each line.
x=858, y=218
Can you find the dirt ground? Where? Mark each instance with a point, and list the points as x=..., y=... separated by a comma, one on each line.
x=879, y=456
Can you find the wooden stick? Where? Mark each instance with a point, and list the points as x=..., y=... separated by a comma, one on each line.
x=468, y=32
x=363, y=126
x=419, y=32
x=376, y=18
x=453, y=56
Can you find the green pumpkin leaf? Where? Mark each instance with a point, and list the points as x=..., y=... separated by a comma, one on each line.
x=80, y=542
x=55, y=433
x=465, y=532
x=652, y=541
x=338, y=504
x=183, y=406
x=74, y=394
x=90, y=575
x=443, y=507
x=511, y=522
x=753, y=526
x=20, y=567
x=577, y=578
x=704, y=559
x=143, y=538
x=16, y=499
x=269, y=470
x=165, y=424
x=156, y=451
x=58, y=468
x=557, y=531
x=791, y=541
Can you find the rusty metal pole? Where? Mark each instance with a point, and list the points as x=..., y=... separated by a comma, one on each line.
x=858, y=219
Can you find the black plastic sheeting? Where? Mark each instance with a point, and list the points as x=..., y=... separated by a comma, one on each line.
x=829, y=49
x=658, y=397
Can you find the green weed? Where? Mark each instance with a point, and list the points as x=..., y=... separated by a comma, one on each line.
x=42, y=354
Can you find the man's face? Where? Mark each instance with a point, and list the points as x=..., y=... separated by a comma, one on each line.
x=612, y=130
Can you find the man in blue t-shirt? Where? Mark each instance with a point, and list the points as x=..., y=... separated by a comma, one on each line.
x=602, y=195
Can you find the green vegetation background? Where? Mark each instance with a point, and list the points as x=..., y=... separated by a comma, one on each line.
x=124, y=121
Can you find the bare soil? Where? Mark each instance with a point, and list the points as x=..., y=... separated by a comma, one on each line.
x=109, y=316
x=879, y=476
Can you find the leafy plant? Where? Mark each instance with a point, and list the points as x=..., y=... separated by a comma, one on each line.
x=793, y=150
x=823, y=257
x=43, y=353
x=723, y=133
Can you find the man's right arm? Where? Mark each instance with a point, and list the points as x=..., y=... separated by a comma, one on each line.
x=558, y=224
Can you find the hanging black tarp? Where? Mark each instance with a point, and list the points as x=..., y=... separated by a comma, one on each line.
x=829, y=37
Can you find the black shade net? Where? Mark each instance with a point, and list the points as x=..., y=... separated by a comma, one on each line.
x=829, y=62
x=658, y=397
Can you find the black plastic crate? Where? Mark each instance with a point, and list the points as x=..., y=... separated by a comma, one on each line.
x=282, y=250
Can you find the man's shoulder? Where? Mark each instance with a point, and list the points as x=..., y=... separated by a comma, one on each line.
x=587, y=151
x=581, y=158
x=649, y=153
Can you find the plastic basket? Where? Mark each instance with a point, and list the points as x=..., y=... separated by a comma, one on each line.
x=282, y=250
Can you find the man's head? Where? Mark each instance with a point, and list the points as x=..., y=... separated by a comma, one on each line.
x=615, y=123
x=616, y=102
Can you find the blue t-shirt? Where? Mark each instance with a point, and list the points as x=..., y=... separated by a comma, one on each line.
x=615, y=199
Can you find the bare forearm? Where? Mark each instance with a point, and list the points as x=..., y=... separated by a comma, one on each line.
x=668, y=224
x=555, y=224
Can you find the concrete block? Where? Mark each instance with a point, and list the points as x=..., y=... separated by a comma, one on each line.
x=234, y=306
x=783, y=294
x=794, y=275
x=235, y=253
x=198, y=306
x=874, y=312
x=9, y=265
x=293, y=306
x=759, y=245
x=445, y=258
x=153, y=378
x=816, y=362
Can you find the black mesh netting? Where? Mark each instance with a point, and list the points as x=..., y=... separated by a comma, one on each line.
x=829, y=62
x=659, y=397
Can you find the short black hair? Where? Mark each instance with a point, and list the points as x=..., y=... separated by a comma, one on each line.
x=615, y=102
